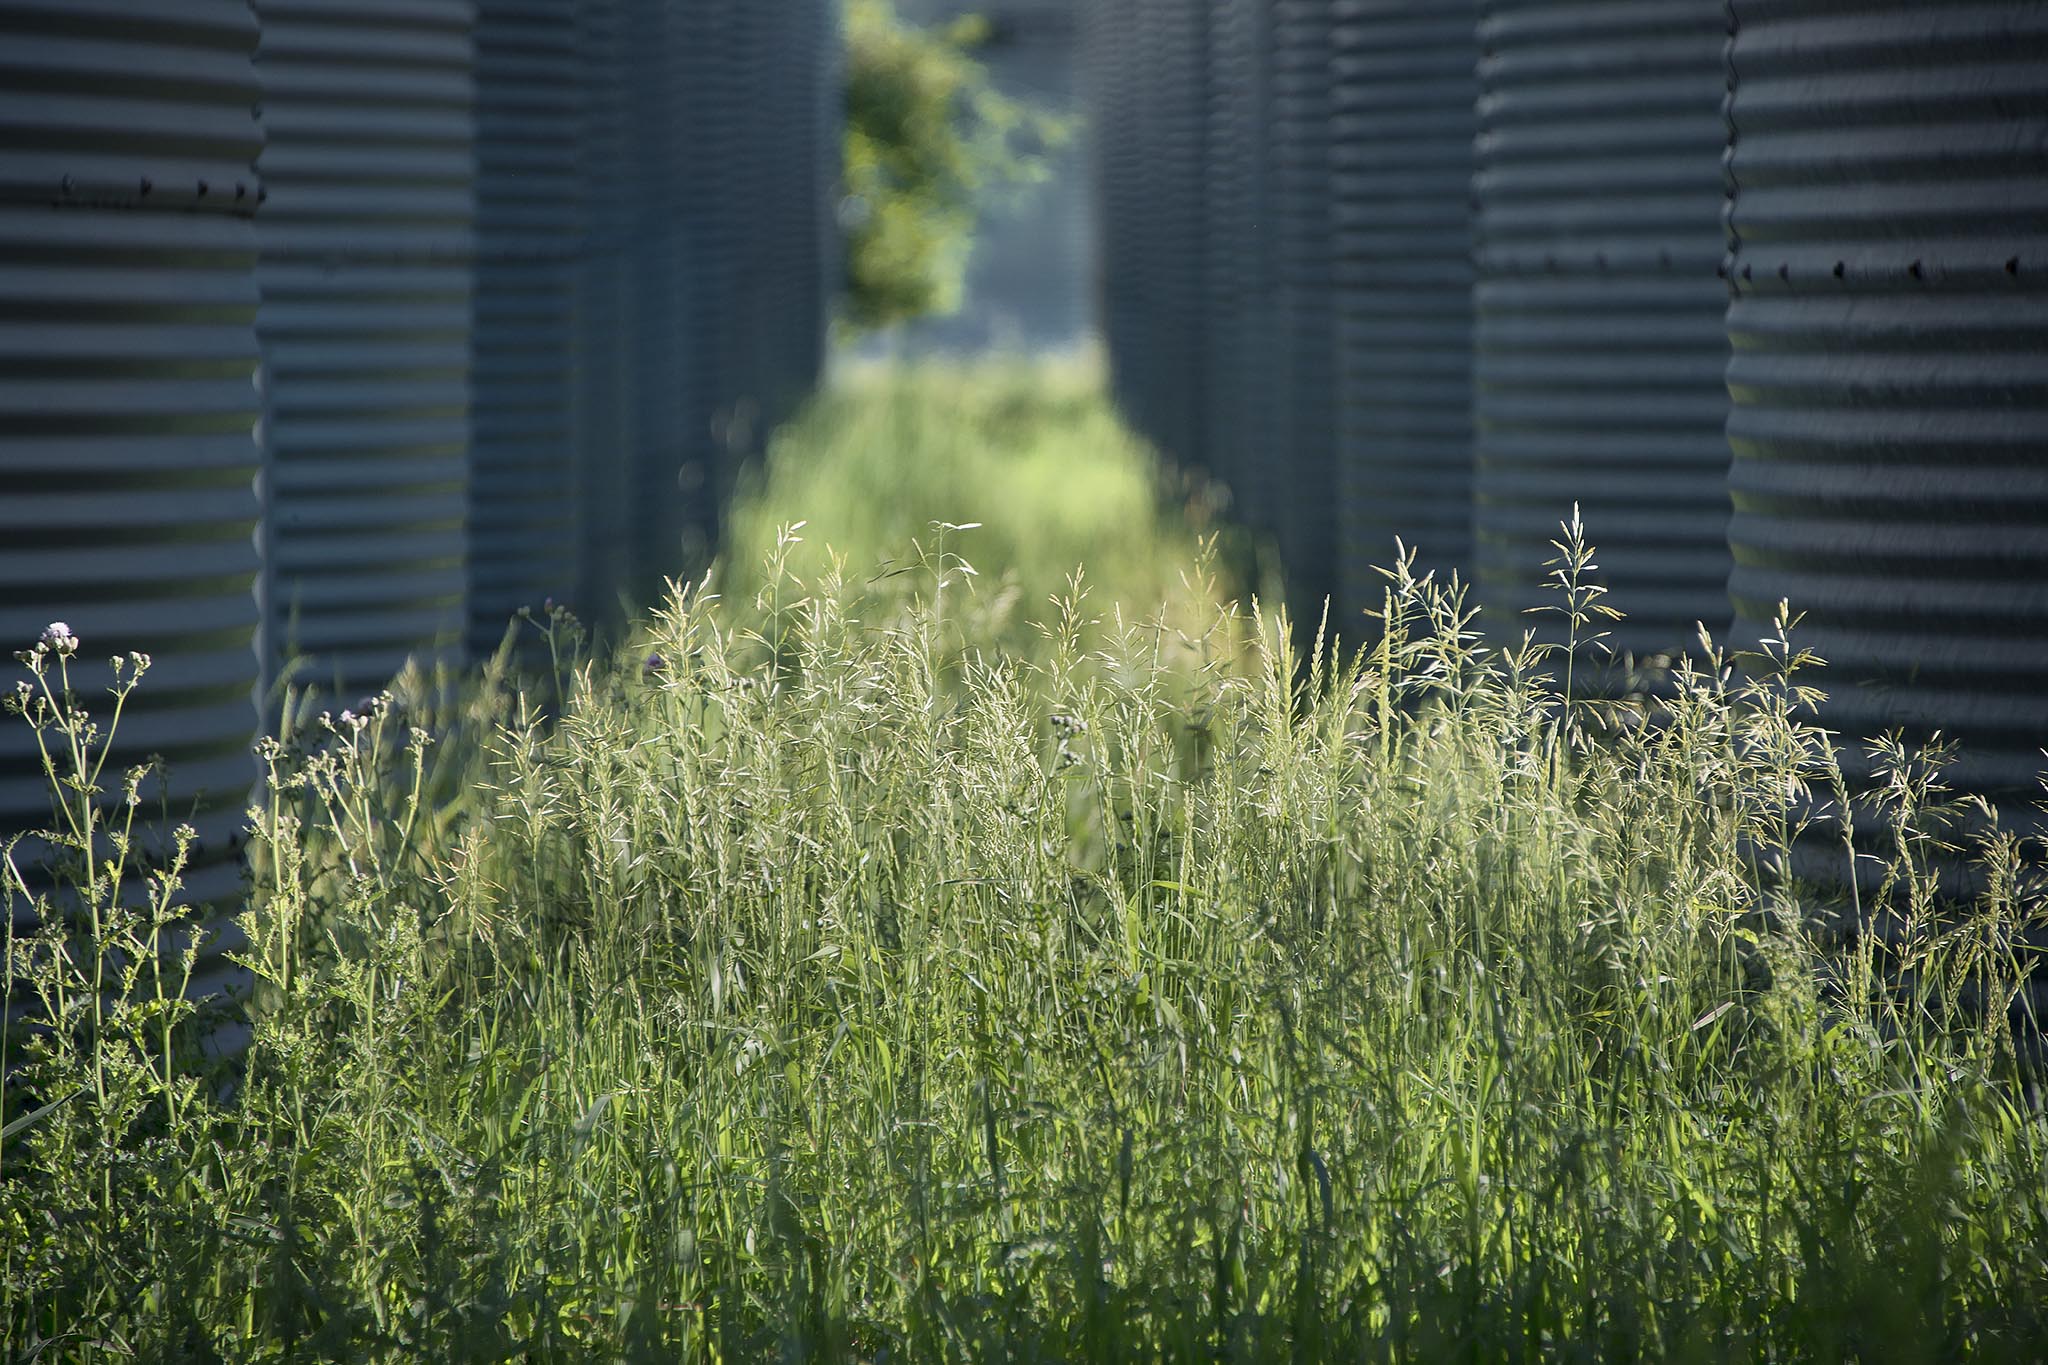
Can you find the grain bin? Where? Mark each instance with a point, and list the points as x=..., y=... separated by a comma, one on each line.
x=605, y=415
x=1171, y=62
x=128, y=395
x=715, y=221
x=788, y=42
x=1238, y=289
x=1600, y=353
x=667, y=488
x=1304, y=511
x=1108, y=38
x=1401, y=156
x=366, y=242
x=807, y=227
x=1138, y=263
x=1888, y=232
x=523, y=480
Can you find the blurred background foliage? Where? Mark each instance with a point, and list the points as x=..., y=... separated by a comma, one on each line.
x=930, y=143
x=1017, y=467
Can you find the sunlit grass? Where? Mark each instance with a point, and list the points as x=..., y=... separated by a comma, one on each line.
x=868, y=974
x=1026, y=454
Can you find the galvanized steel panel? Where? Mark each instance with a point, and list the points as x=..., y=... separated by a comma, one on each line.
x=821, y=120
x=707, y=137
x=367, y=240
x=1600, y=350
x=782, y=166
x=667, y=483
x=1170, y=55
x=127, y=103
x=128, y=396
x=1147, y=117
x=1108, y=34
x=605, y=413
x=523, y=478
x=1406, y=83
x=1238, y=287
x=815, y=42
x=1305, y=506
x=786, y=40
x=1888, y=227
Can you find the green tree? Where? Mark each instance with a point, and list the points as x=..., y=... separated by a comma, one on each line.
x=929, y=142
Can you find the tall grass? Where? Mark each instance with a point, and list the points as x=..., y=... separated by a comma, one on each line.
x=839, y=982
x=1026, y=455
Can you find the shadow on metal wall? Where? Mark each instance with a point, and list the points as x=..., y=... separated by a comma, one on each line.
x=338, y=332
x=1450, y=270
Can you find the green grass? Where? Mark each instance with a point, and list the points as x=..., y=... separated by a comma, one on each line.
x=882, y=474
x=874, y=976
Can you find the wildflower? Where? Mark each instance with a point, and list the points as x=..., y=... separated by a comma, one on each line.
x=57, y=636
x=656, y=664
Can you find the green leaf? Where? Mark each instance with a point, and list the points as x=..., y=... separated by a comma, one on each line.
x=35, y=1116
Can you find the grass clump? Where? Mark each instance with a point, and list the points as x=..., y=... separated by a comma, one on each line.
x=839, y=982
x=1021, y=463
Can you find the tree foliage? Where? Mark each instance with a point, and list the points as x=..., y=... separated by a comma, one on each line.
x=930, y=142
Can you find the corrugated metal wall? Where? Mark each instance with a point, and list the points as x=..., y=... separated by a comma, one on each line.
x=1149, y=74
x=1600, y=354
x=1210, y=129
x=367, y=239
x=1173, y=63
x=540, y=281
x=790, y=298
x=756, y=85
x=1888, y=234
x=129, y=458
x=605, y=413
x=1108, y=89
x=666, y=485
x=717, y=234
x=1237, y=284
x=1304, y=506
x=441, y=337
x=523, y=485
x=1402, y=170
x=1882, y=276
